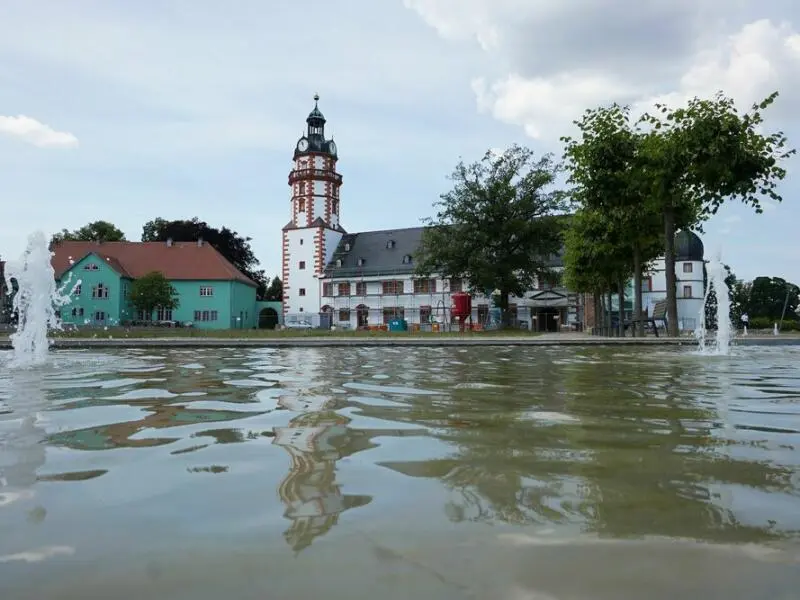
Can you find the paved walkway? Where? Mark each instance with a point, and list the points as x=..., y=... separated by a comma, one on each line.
x=549, y=339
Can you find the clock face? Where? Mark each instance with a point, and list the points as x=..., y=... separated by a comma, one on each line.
x=302, y=145
x=332, y=147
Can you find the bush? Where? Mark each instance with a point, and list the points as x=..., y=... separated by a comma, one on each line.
x=767, y=323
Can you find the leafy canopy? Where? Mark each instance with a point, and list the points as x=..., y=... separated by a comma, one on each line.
x=227, y=242
x=97, y=231
x=152, y=291
x=498, y=225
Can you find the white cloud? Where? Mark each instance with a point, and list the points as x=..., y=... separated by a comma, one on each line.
x=733, y=219
x=655, y=51
x=37, y=133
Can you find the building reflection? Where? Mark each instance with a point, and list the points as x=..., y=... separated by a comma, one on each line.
x=313, y=499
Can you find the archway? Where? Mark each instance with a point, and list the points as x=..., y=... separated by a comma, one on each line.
x=362, y=316
x=268, y=318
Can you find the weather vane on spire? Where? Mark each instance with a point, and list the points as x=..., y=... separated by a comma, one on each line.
x=316, y=98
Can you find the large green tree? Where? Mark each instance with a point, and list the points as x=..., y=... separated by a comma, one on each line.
x=97, y=231
x=697, y=157
x=275, y=290
x=769, y=295
x=606, y=169
x=497, y=226
x=153, y=291
x=228, y=242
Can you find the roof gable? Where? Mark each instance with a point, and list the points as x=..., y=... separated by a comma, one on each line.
x=178, y=261
x=94, y=258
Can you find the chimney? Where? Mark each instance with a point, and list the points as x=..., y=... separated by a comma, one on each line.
x=169, y=242
x=199, y=242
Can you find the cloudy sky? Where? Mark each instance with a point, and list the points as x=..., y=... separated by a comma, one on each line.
x=130, y=110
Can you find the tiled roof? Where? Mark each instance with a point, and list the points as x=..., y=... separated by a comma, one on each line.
x=181, y=261
x=381, y=258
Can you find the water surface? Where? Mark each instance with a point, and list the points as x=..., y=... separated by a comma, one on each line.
x=522, y=473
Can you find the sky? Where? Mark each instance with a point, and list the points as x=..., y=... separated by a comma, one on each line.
x=127, y=111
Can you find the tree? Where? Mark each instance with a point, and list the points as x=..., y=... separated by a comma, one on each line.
x=230, y=244
x=153, y=291
x=274, y=292
x=696, y=158
x=768, y=297
x=497, y=226
x=606, y=168
x=97, y=231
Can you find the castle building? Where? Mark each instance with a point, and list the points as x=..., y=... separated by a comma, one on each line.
x=367, y=279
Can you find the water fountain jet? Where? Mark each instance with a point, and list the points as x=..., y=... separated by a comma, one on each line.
x=722, y=340
x=35, y=301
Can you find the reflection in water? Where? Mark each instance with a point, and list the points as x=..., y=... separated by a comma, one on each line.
x=462, y=467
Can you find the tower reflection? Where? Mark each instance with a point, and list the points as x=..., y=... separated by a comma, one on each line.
x=313, y=499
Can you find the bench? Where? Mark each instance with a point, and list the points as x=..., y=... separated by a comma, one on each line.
x=659, y=314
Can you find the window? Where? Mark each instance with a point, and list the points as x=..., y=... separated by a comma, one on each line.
x=335, y=207
x=392, y=287
x=302, y=265
x=99, y=291
x=206, y=290
x=361, y=288
x=301, y=205
x=344, y=289
x=361, y=262
x=143, y=316
x=77, y=312
x=77, y=290
x=647, y=284
x=424, y=314
x=407, y=259
x=390, y=244
x=456, y=284
x=338, y=262
x=164, y=314
x=301, y=241
x=687, y=291
x=687, y=267
x=100, y=315
x=347, y=247
x=302, y=188
x=205, y=315
x=302, y=291
x=91, y=267
x=424, y=286
x=327, y=289
x=344, y=315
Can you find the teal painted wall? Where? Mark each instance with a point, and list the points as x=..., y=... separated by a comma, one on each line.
x=109, y=306
x=243, y=306
x=228, y=300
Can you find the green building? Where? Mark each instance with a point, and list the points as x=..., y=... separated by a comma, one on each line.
x=211, y=292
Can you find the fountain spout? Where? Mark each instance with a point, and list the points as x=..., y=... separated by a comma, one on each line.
x=722, y=340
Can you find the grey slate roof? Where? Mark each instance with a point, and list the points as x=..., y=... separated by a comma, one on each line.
x=378, y=258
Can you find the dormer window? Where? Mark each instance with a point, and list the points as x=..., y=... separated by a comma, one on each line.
x=407, y=259
x=338, y=262
x=390, y=244
x=347, y=247
x=361, y=262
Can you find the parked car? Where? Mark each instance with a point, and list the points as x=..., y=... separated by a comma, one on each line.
x=299, y=324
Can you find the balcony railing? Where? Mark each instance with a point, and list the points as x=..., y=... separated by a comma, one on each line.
x=302, y=174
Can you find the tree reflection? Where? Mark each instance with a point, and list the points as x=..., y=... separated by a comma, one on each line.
x=620, y=447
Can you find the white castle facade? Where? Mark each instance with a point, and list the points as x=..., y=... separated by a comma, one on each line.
x=365, y=280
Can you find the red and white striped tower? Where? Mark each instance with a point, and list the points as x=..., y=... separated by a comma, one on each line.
x=313, y=232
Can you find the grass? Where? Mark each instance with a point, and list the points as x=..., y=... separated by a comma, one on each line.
x=168, y=332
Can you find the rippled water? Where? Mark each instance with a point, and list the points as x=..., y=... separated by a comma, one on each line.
x=526, y=473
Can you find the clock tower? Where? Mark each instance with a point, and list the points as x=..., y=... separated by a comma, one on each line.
x=313, y=232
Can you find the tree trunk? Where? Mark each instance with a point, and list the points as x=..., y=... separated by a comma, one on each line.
x=638, y=329
x=609, y=327
x=669, y=272
x=621, y=294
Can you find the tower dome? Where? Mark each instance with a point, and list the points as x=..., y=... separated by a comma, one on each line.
x=688, y=247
